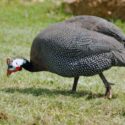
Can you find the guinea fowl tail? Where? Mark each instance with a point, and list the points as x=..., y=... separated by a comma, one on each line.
x=119, y=58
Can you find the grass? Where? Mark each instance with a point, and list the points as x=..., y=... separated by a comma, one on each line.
x=45, y=98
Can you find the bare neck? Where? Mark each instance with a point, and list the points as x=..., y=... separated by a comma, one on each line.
x=28, y=66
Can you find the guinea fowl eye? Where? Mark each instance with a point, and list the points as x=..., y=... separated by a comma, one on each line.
x=10, y=66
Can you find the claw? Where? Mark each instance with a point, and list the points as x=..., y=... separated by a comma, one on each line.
x=73, y=91
x=108, y=93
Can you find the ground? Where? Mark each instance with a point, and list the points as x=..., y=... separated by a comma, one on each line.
x=45, y=98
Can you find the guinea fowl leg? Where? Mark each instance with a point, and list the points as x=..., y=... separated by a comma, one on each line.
x=75, y=84
x=108, y=92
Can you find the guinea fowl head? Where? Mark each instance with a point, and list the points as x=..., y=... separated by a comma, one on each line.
x=14, y=65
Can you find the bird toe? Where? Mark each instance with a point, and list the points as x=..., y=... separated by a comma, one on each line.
x=108, y=94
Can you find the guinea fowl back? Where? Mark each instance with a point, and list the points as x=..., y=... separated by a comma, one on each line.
x=71, y=51
x=98, y=24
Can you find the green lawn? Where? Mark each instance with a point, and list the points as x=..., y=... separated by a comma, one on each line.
x=45, y=98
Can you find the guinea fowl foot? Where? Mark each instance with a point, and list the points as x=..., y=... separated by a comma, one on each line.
x=73, y=91
x=108, y=93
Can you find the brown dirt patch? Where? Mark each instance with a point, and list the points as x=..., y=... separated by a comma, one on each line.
x=3, y=116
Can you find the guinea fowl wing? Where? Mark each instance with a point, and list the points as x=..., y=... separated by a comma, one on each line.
x=98, y=24
x=72, y=41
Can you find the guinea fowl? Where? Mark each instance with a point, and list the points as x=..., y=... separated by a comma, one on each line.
x=71, y=51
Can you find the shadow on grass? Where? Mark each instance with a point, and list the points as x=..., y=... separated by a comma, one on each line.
x=52, y=93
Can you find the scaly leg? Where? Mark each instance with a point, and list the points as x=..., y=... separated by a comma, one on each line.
x=75, y=84
x=108, y=92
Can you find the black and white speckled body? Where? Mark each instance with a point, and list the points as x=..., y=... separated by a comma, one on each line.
x=70, y=51
x=87, y=66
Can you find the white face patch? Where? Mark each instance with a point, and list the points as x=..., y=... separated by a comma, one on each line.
x=18, y=62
